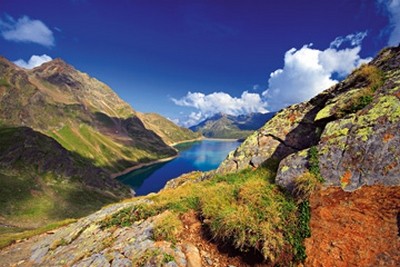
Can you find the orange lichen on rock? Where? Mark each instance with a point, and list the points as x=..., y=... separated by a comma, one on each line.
x=346, y=178
x=387, y=137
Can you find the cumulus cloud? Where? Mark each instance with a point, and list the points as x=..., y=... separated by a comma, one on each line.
x=393, y=10
x=219, y=102
x=33, y=62
x=308, y=71
x=26, y=30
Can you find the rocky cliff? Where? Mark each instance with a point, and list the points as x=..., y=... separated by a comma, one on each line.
x=318, y=185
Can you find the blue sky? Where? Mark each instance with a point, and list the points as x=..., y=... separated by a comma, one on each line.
x=190, y=59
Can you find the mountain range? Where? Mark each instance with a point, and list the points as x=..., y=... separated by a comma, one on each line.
x=60, y=123
x=317, y=185
x=232, y=127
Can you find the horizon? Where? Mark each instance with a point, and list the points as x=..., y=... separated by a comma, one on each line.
x=191, y=60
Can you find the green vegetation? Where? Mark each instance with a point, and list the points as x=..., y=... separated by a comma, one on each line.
x=100, y=149
x=4, y=82
x=126, y=217
x=313, y=162
x=244, y=209
x=167, y=227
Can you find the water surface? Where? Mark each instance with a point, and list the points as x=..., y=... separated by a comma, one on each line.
x=203, y=155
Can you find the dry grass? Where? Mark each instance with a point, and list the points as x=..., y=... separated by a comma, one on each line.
x=167, y=227
x=306, y=184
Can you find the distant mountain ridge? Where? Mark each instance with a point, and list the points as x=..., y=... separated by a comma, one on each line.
x=228, y=126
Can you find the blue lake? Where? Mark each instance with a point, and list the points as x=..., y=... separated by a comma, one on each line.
x=203, y=155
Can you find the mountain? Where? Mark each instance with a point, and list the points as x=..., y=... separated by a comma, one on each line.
x=62, y=133
x=41, y=182
x=166, y=129
x=228, y=126
x=317, y=185
x=81, y=113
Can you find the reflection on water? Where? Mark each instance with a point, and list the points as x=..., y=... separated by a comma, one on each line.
x=202, y=155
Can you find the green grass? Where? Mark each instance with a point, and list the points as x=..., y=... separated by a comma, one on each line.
x=29, y=199
x=4, y=82
x=244, y=209
x=100, y=149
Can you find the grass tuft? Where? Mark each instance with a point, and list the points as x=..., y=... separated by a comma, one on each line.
x=167, y=227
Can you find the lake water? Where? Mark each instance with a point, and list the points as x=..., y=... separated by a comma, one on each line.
x=203, y=155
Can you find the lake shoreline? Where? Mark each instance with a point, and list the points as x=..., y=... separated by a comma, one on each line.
x=150, y=163
x=153, y=162
x=141, y=165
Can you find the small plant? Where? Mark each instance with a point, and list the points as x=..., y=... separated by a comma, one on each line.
x=168, y=258
x=126, y=217
x=305, y=184
x=313, y=161
x=167, y=227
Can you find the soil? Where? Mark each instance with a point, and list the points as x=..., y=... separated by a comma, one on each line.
x=359, y=228
x=214, y=253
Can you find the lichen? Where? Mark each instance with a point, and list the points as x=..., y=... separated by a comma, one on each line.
x=364, y=133
x=285, y=169
x=387, y=106
x=324, y=113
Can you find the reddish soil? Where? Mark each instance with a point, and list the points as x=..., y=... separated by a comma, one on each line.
x=355, y=229
x=217, y=254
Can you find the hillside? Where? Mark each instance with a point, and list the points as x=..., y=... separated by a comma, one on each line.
x=81, y=113
x=317, y=185
x=62, y=133
x=41, y=182
x=228, y=126
x=169, y=132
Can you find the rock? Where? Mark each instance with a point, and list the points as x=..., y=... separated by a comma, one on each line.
x=192, y=254
x=290, y=168
x=290, y=130
x=361, y=150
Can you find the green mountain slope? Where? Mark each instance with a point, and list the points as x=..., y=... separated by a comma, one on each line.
x=41, y=182
x=166, y=129
x=81, y=113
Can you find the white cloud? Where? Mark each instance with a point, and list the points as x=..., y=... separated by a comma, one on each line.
x=26, y=30
x=219, y=102
x=33, y=62
x=393, y=9
x=308, y=71
x=353, y=39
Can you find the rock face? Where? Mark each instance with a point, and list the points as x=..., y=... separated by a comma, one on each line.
x=356, y=140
